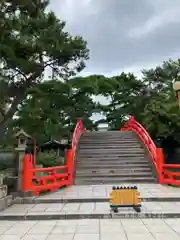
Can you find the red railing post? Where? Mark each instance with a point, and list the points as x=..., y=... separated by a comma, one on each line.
x=160, y=162
x=27, y=172
x=70, y=165
x=35, y=152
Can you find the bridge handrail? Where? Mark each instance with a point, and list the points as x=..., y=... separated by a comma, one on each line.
x=54, y=180
x=79, y=129
x=70, y=154
x=164, y=175
x=133, y=125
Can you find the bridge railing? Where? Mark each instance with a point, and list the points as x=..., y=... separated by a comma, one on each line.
x=36, y=180
x=133, y=125
x=70, y=154
x=156, y=154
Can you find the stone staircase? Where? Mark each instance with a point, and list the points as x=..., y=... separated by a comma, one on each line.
x=112, y=157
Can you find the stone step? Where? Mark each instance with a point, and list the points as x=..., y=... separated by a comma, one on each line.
x=113, y=162
x=112, y=146
x=97, y=167
x=111, y=155
x=111, y=175
x=109, y=139
x=113, y=140
x=112, y=171
x=97, y=210
x=111, y=152
x=115, y=149
x=111, y=158
x=109, y=166
x=114, y=180
x=100, y=136
x=78, y=199
x=108, y=134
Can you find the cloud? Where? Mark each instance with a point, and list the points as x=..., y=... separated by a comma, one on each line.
x=122, y=34
x=166, y=12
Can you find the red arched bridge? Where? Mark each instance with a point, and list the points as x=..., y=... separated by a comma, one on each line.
x=96, y=145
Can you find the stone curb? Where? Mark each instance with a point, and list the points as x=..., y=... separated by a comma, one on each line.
x=5, y=202
x=72, y=216
x=33, y=200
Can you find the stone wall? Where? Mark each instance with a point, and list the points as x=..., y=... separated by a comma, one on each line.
x=5, y=200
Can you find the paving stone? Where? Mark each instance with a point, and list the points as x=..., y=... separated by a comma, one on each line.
x=68, y=223
x=175, y=228
x=110, y=222
x=64, y=230
x=131, y=222
x=23, y=225
x=18, y=230
x=4, y=229
x=86, y=236
x=11, y=237
x=34, y=237
x=166, y=236
x=40, y=229
x=172, y=221
x=74, y=207
x=86, y=229
x=136, y=229
x=111, y=229
x=159, y=229
x=46, y=223
x=156, y=222
x=60, y=237
x=140, y=236
x=114, y=236
x=7, y=223
x=88, y=222
x=87, y=207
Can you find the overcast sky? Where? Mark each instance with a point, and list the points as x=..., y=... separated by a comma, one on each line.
x=123, y=35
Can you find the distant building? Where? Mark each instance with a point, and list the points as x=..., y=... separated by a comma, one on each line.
x=103, y=127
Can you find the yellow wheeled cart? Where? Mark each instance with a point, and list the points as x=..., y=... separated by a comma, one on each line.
x=125, y=197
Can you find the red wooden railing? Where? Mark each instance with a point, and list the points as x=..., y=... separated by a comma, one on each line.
x=155, y=153
x=133, y=125
x=56, y=176
x=79, y=129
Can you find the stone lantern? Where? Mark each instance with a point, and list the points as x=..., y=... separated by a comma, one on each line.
x=22, y=139
x=176, y=86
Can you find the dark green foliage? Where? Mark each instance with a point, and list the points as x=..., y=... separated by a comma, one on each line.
x=32, y=39
x=53, y=107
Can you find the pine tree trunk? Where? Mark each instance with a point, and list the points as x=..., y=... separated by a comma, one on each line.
x=2, y=134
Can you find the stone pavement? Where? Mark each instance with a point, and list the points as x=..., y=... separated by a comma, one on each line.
x=86, y=229
x=87, y=210
x=91, y=202
x=99, y=192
